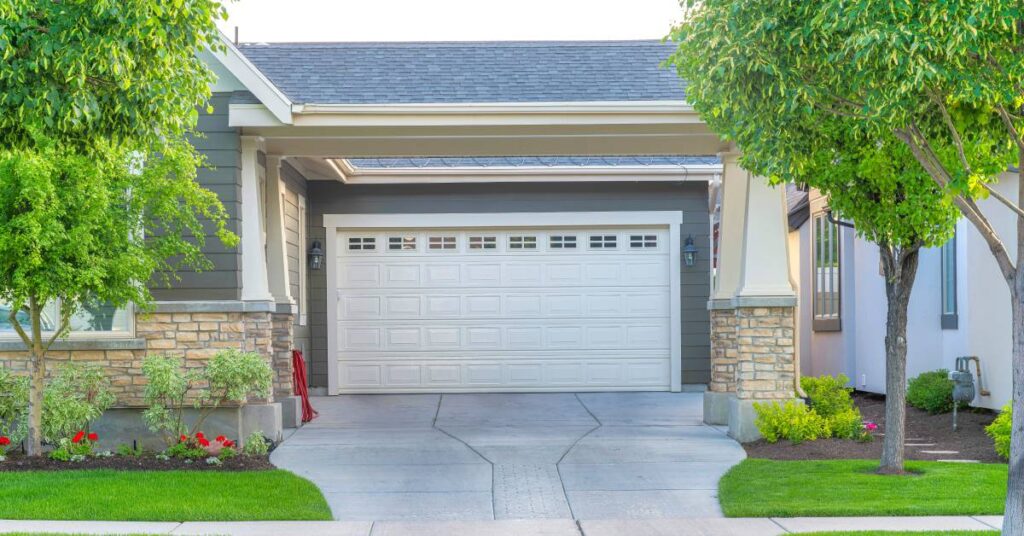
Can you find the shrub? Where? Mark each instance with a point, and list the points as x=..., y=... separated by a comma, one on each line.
x=75, y=449
x=793, y=421
x=130, y=451
x=256, y=445
x=13, y=409
x=78, y=395
x=1000, y=430
x=848, y=424
x=931, y=392
x=230, y=376
x=829, y=394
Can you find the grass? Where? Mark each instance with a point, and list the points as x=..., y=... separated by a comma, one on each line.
x=106, y=495
x=769, y=488
x=906, y=533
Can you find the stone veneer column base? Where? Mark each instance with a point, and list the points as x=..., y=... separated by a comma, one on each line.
x=752, y=360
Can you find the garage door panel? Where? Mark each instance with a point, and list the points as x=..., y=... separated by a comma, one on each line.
x=493, y=310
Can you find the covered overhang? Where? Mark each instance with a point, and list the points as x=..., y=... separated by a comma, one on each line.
x=489, y=129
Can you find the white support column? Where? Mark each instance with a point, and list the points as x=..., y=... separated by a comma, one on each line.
x=255, y=286
x=764, y=269
x=735, y=181
x=277, y=258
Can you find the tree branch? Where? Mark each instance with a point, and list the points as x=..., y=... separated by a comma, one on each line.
x=20, y=330
x=1005, y=200
x=957, y=141
x=1008, y=122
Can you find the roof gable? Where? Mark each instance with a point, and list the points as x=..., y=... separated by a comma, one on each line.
x=469, y=72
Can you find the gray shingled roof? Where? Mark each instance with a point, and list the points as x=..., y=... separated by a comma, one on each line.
x=509, y=71
x=531, y=161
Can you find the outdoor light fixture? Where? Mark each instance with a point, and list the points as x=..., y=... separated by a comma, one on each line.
x=689, y=251
x=316, y=256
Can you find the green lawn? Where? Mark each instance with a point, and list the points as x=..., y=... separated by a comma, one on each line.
x=907, y=533
x=769, y=488
x=160, y=496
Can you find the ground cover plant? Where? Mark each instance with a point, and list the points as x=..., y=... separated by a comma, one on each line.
x=770, y=488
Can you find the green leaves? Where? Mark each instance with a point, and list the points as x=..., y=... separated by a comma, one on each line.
x=80, y=70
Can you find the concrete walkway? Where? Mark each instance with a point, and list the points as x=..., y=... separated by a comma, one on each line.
x=479, y=457
x=535, y=527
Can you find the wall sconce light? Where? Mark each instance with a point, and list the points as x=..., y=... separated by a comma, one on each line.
x=689, y=251
x=316, y=256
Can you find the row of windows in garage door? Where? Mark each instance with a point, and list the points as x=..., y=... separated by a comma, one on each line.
x=441, y=242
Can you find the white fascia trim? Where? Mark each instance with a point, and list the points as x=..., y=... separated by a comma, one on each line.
x=507, y=175
x=582, y=107
x=502, y=219
x=251, y=77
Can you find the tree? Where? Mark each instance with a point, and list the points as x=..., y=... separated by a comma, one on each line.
x=78, y=228
x=945, y=78
x=75, y=71
x=97, y=182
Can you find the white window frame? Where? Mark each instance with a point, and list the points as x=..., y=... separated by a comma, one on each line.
x=85, y=335
x=340, y=223
x=827, y=313
x=303, y=262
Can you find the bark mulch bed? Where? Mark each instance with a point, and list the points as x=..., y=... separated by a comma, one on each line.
x=924, y=433
x=148, y=462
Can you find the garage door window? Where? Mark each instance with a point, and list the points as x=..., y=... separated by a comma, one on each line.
x=643, y=241
x=402, y=243
x=603, y=242
x=563, y=242
x=443, y=242
x=362, y=243
x=522, y=242
x=483, y=242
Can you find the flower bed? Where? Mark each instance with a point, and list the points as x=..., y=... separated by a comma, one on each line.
x=929, y=437
x=146, y=462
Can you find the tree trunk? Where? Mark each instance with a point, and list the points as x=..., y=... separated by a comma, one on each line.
x=1013, y=521
x=900, y=270
x=34, y=441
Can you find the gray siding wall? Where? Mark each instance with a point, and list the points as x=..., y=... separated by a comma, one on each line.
x=222, y=175
x=295, y=251
x=691, y=198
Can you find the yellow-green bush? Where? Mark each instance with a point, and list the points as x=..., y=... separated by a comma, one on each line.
x=793, y=421
x=1000, y=430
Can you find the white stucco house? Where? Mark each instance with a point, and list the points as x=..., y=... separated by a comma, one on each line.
x=960, y=305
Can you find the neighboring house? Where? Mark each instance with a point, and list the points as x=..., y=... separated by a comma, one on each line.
x=959, y=305
x=480, y=230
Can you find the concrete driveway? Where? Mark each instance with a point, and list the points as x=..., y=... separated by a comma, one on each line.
x=512, y=456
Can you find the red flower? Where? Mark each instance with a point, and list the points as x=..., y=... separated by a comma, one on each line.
x=199, y=435
x=228, y=443
x=183, y=438
x=221, y=439
x=94, y=436
x=204, y=442
x=4, y=441
x=78, y=437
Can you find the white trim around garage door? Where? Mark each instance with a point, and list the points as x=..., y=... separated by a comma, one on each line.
x=671, y=219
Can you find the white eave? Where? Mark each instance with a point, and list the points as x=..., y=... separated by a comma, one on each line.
x=274, y=102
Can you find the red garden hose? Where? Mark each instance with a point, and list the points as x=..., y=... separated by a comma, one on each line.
x=301, y=389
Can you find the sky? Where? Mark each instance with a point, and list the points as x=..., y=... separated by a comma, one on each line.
x=449, y=20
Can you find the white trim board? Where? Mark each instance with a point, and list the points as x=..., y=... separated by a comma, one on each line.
x=669, y=219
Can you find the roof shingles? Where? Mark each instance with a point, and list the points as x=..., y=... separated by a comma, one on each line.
x=496, y=72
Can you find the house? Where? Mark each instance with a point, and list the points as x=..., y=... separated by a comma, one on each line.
x=470, y=217
x=960, y=305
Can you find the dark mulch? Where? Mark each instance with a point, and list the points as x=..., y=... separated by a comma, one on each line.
x=969, y=440
x=147, y=462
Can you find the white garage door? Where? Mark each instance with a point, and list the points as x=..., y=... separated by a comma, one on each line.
x=515, y=309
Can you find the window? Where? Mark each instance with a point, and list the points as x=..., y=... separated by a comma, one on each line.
x=93, y=319
x=402, y=243
x=483, y=242
x=603, y=241
x=643, y=241
x=522, y=242
x=950, y=318
x=303, y=264
x=562, y=242
x=825, y=278
x=362, y=243
x=442, y=242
